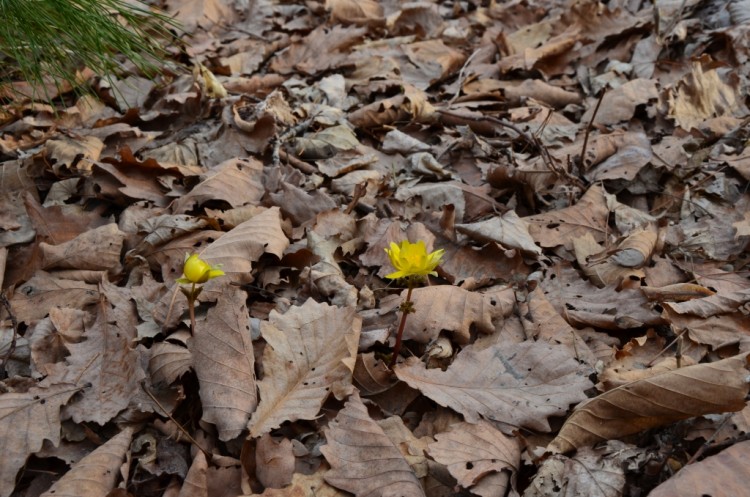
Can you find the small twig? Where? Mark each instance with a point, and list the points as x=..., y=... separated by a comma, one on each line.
x=707, y=443
x=461, y=77
x=208, y=454
x=14, y=324
x=360, y=189
x=590, y=126
x=679, y=335
x=296, y=163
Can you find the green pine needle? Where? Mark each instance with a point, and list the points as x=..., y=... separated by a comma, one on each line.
x=50, y=40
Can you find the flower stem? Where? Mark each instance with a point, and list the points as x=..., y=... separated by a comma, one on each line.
x=191, y=309
x=405, y=311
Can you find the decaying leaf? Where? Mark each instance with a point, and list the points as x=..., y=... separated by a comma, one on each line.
x=26, y=420
x=473, y=452
x=310, y=353
x=363, y=459
x=517, y=384
x=95, y=474
x=223, y=360
x=655, y=401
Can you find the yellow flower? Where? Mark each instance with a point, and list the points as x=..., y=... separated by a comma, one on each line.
x=196, y=270
x=412, y=259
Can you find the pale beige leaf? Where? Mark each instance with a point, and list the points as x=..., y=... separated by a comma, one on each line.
x=95, y=474
x=274, y=461
x=656, y=401
x=26, y=420
x=96, y=249
x=560, y=227
x=363, y=459
x=454, y=309
x=243, y=245
x=223, y=360
x=600, y=269
x=236, y=181
x=104, y=361
x=165, y=228
x=508, y=230
x=355, y=11
x=196, y=484
x=473, y=451
x=310, y=352
x=518, y=384
x=723, y=475
x=305, y=486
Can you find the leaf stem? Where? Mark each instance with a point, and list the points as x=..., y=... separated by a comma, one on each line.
x=191, y=309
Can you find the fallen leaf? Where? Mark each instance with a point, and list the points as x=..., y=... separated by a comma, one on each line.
x=310, y=353
x=363, y=459
x=656, y=401
x=518, y=384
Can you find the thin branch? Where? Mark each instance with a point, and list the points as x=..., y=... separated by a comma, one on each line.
x=590, y=125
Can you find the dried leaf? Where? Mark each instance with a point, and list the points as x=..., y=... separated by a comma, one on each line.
x=473, y=451
x=95, y=474
x=196, y=484
x=26, y=420
x=363, y=459
x=274, y=461
x=96, y=249
x=518, y=384
x=510, y=231
x=311, y=352
x=223, y=360
x=656, y=401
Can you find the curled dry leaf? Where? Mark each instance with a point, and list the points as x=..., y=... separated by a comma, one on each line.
x=474, y=451
x=310, y=353
x=518, y=384
x=454, y=309
x=97, y=249
x=363, y=459
x=656, y=401
x=95, y=474
x=223, y=360
x=26, y=420
x=168, y=362
x=274, y=461
x=599, y=268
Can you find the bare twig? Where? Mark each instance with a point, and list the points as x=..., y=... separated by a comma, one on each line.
x=462, y=77
x=590, y=125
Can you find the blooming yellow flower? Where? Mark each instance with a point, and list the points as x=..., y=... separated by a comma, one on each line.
x=412, y=259
x=196, y=270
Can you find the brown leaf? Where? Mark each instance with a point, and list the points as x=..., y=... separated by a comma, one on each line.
x=168, y=362
x=363, y=459
x=235, y=181
x=96, y=249
x=195, y=484
x=560, y=227
x=26, y=420
x=454, y=309
x=518, y=384
x=104, y=361
x=474, y=451
x=33, y=300
x=725, y=474
x=223, y=360
x=310, y=353
x=95, y=474
x=510, y=231
x=305, y=486
x=274, y=461
x=656, y=401
x=355, y=11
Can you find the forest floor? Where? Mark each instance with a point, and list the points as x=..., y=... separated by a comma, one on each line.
x=583, y=166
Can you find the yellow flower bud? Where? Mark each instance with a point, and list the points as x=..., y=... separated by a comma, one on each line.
x=196, y=270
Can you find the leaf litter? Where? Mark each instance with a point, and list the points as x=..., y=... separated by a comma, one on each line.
x=582, y=165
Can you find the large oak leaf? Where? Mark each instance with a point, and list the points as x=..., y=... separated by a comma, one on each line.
x=225, y=365
x=363, y=459
x=311, y=351
x=656, y=401
x=516, y=383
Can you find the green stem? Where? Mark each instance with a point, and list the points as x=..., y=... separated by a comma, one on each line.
x=404, y=312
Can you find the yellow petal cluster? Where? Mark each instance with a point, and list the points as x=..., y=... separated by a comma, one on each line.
x=196, y=270
x=411, y=259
